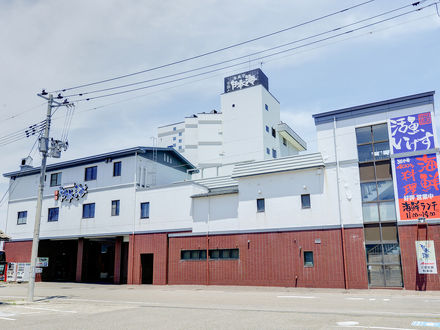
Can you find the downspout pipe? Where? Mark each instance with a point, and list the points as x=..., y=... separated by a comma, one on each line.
x=339, y=207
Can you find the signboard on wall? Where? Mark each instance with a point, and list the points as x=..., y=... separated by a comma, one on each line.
x=70, y=192
x=416, y=175
x=245, y=80
x=42, y=262
x=426, y=262
x=418, y=187
x=411, y=133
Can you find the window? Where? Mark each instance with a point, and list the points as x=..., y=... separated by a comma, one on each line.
x=117, y=168
x=268, y=151
x=305, y=201
x=88, y=211
x=180, y=140
x=55, y=179
x=90, y=173
x=284, y=141
x=174, y=144
x=260, y=205
x=174, y=138
x=193, y=255
x=180, y=147
x=267, y=129
x=180, y=133
x=115, y=208
x=52, y=214
x=21, y=217
x=308, y=259
x=274, y=133
x=145, y=210
x=231, y=254
x=266, y=107
x=174, y=128
x=274, y=153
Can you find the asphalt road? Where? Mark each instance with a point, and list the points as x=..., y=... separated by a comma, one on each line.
x=94, y=306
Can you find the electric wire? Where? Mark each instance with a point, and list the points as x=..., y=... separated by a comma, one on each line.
x=259, y=58
x=215, y=51
x=243, y=56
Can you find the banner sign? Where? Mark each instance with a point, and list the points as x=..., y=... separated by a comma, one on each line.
x=245, y=80
x=411, y=133
x=426, y=262
x=42, y=262
x=418, y=187
x=68, y=193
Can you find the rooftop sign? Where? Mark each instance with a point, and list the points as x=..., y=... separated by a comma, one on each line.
x=246, y=79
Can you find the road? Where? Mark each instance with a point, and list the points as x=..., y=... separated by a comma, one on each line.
x=94, y=306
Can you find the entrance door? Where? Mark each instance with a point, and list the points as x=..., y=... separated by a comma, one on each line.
x=147, y=268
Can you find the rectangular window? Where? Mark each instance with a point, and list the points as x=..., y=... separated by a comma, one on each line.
x=274, y=153
x=52, y=214
x=55, y=179
x=117, y=168
x=174, y=138
x=305, y=201
x=115, y=208
x=21, y=217
x=260, y=205
x=145, y=210
x=174, y=128
x=180, y=133
x=267, y=129
x=308, y=259
x=88, y=211
x=229, y=254
x=268, y=151
x=193, y=254
x=274, y=133
x=266, y=107
x=180, y=140
x=90, y=173
x=284, y=141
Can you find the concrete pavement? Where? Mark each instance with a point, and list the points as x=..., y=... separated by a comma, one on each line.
x=94, y=306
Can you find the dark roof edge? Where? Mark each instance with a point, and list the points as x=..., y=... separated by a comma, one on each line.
x=96, y=158
x=371, y=107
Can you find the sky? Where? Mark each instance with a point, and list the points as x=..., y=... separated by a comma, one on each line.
x=56, y=44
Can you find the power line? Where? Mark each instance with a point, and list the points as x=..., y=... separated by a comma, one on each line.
x=215, y=51
x=243, y=56
x=259, y=58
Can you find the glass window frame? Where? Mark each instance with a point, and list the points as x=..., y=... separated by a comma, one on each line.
x=20, y=216
x=90, y=209
x=145, y=214
x=117, y=168
x=50, y=211
x=93, y=171
x=115, y=207
x=261, y=205
x=304, y=198
x=57, y=180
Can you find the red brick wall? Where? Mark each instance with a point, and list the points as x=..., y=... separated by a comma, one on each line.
x=147, y=243
x=18, y=251
x=356, y=262
x=273, y=259
x=407, y=236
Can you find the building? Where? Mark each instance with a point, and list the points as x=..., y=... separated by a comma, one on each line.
x=247, y=128
x=351, y=215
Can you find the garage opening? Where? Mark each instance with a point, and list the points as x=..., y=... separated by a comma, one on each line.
x=147, y=268
x=98, y=260
x=62, y=260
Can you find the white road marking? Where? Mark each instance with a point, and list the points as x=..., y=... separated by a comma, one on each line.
x=300, y=297
x=354, y=298
x=4, y=316
x=372, y=299
x=386, y=299
x=371, y=327
x=47, y=309
x=347, y=323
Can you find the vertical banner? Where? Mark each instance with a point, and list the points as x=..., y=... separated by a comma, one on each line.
x=426, y=262
x=417, y=177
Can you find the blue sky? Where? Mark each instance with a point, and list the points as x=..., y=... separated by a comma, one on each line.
x=55, y=44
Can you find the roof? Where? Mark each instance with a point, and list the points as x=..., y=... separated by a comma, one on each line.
x=291, y=136
x=101, y=157
x=217, y=182
x=284, y=164
x=376, y=107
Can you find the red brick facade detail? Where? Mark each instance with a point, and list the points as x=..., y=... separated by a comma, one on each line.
x=273, y=259
x=407, y=236
x=147, y=243
x=18, y=251
x=357, y=277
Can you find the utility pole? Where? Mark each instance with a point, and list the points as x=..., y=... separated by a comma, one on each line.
x=43, y=146
x=53, y=150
